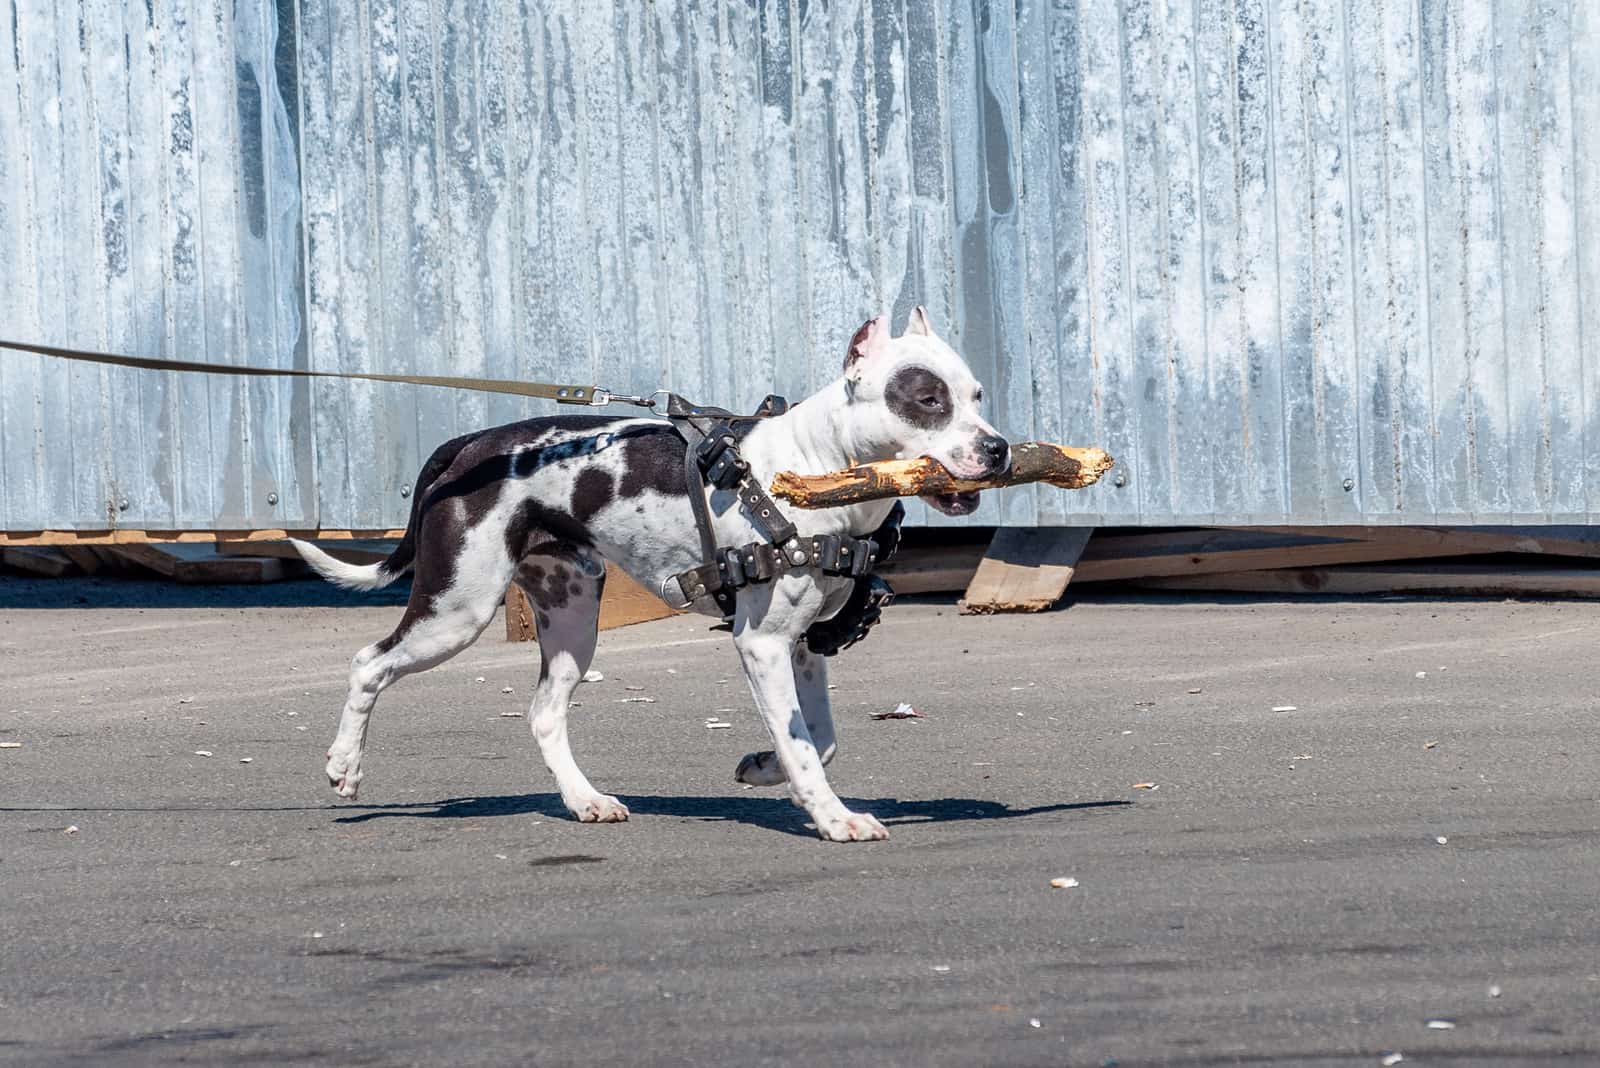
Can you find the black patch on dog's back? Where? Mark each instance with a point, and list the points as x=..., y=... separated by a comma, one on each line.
x=592, y=491
x=920, y=397
x=655, y=463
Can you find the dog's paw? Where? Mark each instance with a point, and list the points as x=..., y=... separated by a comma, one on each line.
x=760, y=769
x=852, y=827
x=344, y=773
x=601, y=808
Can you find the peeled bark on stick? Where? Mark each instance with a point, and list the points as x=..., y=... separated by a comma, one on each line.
x=1031, y=461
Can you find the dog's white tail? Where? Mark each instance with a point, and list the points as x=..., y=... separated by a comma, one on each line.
x=349, y=576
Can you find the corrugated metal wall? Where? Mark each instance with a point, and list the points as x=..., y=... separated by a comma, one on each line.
x=1291, y=261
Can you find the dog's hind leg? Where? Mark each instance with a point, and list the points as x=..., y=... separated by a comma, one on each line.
x=437, y=625
x=811, y=686
x=565, y=591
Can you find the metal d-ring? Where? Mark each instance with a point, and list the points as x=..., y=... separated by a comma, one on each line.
x=662, y=591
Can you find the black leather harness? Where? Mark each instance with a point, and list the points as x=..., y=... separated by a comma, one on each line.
x=712, y=459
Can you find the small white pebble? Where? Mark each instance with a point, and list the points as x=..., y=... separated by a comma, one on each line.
x=302, y=728
x=71, y=829
x=202, y=752
x=234, y=863
x=718, y=726
x=1125, y=733
x=1065, y=883
x=499, y=856
x=941, y=967
x=1442, y=840
x=1494, y=991
x=294, y=713
x=507, y=689
x=1285, y=708
x=1422, y=674
x=10, y=745
x=478, y=679
x=1392, y=1058
x=1441, y=1025
x=672, y=671
x=511, y=715
x=1033, y=1021
x=316, y=934
x=593, y=676
x=245, y=760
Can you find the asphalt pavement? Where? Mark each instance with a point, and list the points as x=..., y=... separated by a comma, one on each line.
x=1366, y=828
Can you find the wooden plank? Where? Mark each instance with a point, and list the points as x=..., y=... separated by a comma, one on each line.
x=162, y=563
x=934, y=569
x=1583, y=541
x=44, y=562
x=1137, y=556
x=84, y=556
x=624, y=603
x=1484, y=580
x=195, y=537
x=365, y=551
x=519, y=616
x=1025, y=569
x=199, y=565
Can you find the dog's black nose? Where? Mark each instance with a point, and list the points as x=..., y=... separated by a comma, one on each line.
x=994, y=449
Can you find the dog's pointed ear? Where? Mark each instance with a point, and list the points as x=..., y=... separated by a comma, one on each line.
x=867, y=341
x=918, y=323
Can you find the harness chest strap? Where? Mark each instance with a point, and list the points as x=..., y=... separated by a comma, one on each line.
x=736, y=567
x=712, y=456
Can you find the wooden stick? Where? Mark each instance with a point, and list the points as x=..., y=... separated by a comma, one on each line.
x=1031, y=461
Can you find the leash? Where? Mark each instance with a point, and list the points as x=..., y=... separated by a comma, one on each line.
x=591, y=396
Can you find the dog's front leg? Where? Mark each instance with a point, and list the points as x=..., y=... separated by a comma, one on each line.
x=811, y=683
x=766, y=650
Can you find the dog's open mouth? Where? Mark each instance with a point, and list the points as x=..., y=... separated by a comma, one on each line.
x=954, y=503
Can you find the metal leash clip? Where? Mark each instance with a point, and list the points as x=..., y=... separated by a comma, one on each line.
x=601, y=397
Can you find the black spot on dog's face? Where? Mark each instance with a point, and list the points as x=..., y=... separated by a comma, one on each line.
x=920, y=397
x=592, y=491
x=576, y=589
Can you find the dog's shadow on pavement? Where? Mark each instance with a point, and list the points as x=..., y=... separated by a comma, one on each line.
x=772, y=813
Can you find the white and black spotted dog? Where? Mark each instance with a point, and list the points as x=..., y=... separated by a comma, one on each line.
x=546, y=502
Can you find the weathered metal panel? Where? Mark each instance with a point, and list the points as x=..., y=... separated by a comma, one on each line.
x=151, y=204
x=1291, y=261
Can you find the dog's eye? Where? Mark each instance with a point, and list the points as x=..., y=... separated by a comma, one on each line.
x=931, y=402
x=978, y=396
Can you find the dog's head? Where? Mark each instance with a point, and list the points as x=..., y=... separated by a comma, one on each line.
x=913, y=395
